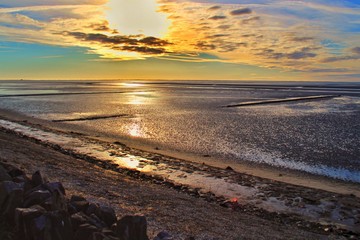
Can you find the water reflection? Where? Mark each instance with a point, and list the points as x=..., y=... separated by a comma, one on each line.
x=141, y=97
x=135, y=130
x=130, y=85
x=127, y=161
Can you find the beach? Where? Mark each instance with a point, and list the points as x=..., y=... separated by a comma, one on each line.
x=251, y=161
x=269, y=208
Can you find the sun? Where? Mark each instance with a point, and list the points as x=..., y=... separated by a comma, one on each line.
x=132, y=17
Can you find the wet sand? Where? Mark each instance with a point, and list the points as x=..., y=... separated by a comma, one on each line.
x=277, y=210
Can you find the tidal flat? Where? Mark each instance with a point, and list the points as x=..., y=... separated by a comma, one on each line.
x=291, y=164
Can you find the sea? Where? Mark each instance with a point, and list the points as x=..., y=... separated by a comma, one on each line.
x=311, y=127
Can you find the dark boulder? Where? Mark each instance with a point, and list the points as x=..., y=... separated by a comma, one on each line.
x=24, y=221
x=37, y=179
x=4, y=176
x=78, y=219
x=229, y=168
x=35, y=223
x=58, y=202
x=106, y=214
x=80, y=206
x=163, y=236
x=76, y=198
x=92, y=208
x=55, y=186
x=132, y=228
x=11, y=197
x=36, y=198
x=85, y=232
x=57, y=225
x=102, y=236
x=15, y=172
x=20, y=179
x=96, y=221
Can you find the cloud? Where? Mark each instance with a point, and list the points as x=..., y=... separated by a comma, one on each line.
x=299, y=54
x=132, y=43
x=22, y=3
x=287, y=35
x=223, y=27
x=328, y=70
x=142, y=49
x=354, y=55
x=203, y=46
x=102, y=27
x=217, y=17
x=250, y=20
x=301, y=39
x=153, y=41
x=19, y=20
x=214, y=8
x=356, y=50
x=241, y=11
x=340, y=58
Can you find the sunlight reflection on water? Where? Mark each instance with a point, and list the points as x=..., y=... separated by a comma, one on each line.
x=135, y=130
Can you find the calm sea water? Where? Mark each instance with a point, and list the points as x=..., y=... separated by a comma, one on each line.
x=316, y=136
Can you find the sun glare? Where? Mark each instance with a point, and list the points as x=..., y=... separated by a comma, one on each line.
x=131, y=17
x=116, y=54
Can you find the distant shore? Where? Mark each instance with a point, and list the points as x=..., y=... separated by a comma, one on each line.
x=187, y=212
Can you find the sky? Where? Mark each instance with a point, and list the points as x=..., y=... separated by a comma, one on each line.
x=298, y=40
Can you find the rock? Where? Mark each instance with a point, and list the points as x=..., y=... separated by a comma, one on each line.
x=113, y=227
x=55, y=186
x=80, y=206
x=4, y=176
x=163, y=236
x=108, y=232
x=78, y=219
x=20, y=179
x=11, y=197
x=92, y=208
x=36, y=224
x=58, y=202
x=37, y=179
x=102, y=236
x=15, y=172
x=96, y=221
x=98, y=236
x=107, y=214
x=229, y=168
x=85, y=232
x=233, y=204
x=132, y=228
x=75, y=198
x=24, y=221
x=12, y=171
x=71, y=209
x=81, y=218
x=57, y=226
x=36, y=198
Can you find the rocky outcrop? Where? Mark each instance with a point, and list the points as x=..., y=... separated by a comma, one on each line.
x=39, y=209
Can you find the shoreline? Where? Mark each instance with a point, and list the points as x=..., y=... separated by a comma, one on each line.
x=177, y=211
x=259, y=196
x=289, y=176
